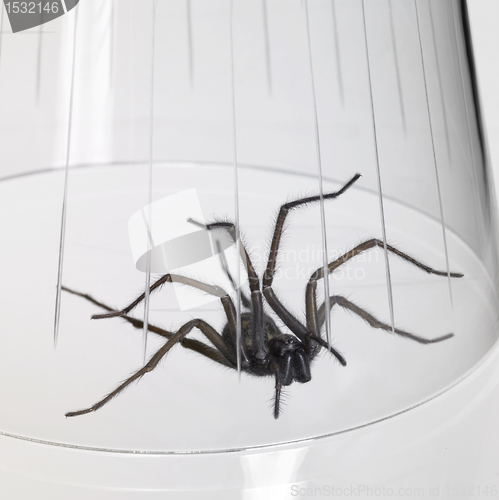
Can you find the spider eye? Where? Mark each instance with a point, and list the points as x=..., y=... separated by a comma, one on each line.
x=281, y=344
x=260, y=355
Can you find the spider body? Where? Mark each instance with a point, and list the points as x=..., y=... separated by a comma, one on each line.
x=265, y=350
x=285, y=353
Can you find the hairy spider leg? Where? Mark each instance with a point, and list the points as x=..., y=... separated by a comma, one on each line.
x=210, y=333
x=166, y=278
x=191, y=344
x=211, y=289
x=375, y=323
x=300, y=330
x=230, y=228
x=230, y=312
x=245, y=300
x=277, y=398
x=284, y=371
x=374, y=242
x=313, y=324
x=258, y=317
x=315, y=319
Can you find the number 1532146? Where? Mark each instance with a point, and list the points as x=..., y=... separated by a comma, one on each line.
x=32, y=7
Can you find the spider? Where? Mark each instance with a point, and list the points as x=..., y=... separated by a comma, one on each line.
x=265, y=349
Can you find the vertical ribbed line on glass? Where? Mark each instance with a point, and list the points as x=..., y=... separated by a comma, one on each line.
x=62, y=238
x=111, y=44
x=397, y=68
x=149, y=188
x=378, y=176
x=325, y=263
x=337, y=52
x=440, y=85
x=39, y=63
x=266, y=39
x=435, y=163
x=236, y=190
x=131, y=94
x=190, y=53
x=476, y=191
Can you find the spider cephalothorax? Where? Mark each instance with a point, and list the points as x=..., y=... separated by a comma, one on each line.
x=264, y=349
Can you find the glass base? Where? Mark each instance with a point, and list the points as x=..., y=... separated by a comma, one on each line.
x=188, y=404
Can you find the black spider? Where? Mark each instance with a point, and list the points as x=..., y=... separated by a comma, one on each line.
x=265, y=350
